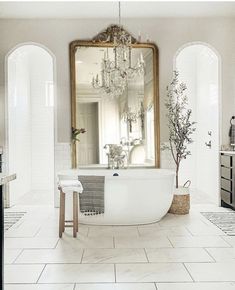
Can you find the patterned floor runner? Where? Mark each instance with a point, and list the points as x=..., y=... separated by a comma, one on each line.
x=223, y=220
x=10, y=218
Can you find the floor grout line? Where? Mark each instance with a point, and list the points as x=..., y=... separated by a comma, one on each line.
x=83, y=252
x=188, y=272
x=146, y=255
x=41, y=273
x=115, y=273
x=214, y=260
x=17, y=256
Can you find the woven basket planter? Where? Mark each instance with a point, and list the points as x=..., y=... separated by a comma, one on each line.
x=181, y=201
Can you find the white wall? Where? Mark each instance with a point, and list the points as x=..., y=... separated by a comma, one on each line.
x=168, y=33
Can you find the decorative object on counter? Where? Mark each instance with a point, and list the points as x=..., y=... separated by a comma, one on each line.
x=232, y=133
x=226, y=147
x=116, y=156
x=76, y=132
x=180, y=130
x=116, y=72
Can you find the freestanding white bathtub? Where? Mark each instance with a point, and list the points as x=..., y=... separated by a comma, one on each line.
x=135, y=196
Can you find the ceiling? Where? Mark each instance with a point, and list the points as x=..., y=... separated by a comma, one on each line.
x=109, y=9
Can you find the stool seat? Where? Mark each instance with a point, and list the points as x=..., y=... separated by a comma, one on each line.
x=69, y=187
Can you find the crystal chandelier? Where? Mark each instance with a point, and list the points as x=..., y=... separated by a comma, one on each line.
x=131, y=116
x=116, y=71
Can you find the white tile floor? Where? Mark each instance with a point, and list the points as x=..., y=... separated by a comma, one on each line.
x=178, y=253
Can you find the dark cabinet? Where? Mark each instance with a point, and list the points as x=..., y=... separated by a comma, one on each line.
x=227, y=172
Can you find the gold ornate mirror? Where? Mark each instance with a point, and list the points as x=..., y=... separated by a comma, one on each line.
x=115, y=98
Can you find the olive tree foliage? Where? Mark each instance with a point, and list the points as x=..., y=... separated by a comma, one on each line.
x=180, y=125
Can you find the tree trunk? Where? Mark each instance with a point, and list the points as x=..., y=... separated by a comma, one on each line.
x=177, y=176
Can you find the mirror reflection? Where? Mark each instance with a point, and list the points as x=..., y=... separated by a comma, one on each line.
x=116, y=109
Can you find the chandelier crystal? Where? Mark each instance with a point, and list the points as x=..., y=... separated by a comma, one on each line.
x=116, y=71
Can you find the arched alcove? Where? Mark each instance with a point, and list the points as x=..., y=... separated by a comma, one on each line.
x=30, y=124
x=199, y=67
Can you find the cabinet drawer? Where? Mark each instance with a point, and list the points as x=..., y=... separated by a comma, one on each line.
x=226, y=196
x=226, y=184
x=226, y=160
x=226, y=172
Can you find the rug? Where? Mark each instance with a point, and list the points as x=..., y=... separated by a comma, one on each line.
x=11, y=218
x=223, y=220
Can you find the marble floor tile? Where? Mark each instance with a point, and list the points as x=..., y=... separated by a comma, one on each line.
x=198, y=242
x=82, y=242
x=114, y=256
x=78, y=273
x=116, y=286
x=30, y=243
x=142, y=242
x=152, y=272
x=222, y=254
x=47, y=256
x=205, y=230
x=97, y=231
x=178, y=255
x=22, y=273
x=10, y=255
x=196, y=286
x=177, y=231
x=22, y=231
x=53, y=231
x=39, y=287
x=202, y=272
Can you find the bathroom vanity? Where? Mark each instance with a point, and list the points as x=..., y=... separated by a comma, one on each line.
x=227, y=171
x=4, y=179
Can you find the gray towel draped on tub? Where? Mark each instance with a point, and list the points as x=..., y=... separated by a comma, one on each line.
x=92, y=198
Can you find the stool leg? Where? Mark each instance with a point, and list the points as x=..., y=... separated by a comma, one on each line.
x=74, y=215
x=77, y=203
x=60, y=214
x=63, y=212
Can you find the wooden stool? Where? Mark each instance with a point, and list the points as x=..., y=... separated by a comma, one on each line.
x=62, y=221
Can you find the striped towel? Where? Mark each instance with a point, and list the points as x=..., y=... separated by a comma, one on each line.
x=92, y=199
x=232, y=135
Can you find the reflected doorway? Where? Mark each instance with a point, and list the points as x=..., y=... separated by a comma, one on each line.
x=88, y=146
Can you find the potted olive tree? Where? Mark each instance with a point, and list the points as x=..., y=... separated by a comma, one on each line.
x=180, y=130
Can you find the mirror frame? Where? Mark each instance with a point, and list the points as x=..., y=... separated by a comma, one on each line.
x=98, y=42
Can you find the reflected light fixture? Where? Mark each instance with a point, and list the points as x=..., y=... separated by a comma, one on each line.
x=117, y=69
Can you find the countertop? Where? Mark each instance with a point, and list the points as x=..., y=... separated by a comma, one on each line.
x=5, y=178
x=228, y=152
